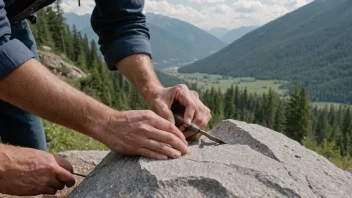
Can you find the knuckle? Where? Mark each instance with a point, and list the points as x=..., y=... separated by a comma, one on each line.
x=162, y=146
x=148, y=115
x=195, y=94
x=171, y=127
x=142, y=128
x=51, y=168
x=170, y=138
x=181, y=87
x=198, y=120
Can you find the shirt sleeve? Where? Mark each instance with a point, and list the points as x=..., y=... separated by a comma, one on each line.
x=121, y=27
x=13, y=53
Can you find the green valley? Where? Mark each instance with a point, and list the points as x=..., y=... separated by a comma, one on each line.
x=207, y=81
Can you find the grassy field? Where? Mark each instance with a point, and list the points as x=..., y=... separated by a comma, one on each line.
x=205, y=81
x=322, y=105
x=62, y=139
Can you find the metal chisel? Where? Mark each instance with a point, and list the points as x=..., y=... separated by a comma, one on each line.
x=194, y=128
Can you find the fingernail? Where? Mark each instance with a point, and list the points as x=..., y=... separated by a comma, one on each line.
x=189, y=121
x=177, y=154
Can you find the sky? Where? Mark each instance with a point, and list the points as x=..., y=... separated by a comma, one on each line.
x=208, y=14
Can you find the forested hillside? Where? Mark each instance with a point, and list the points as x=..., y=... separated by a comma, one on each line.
x=311, y=45
x=174, y=42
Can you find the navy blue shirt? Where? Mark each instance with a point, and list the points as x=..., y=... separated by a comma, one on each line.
x=120, y=25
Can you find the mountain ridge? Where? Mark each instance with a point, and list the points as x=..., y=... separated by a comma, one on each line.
x=295, y=47
x=173, y=42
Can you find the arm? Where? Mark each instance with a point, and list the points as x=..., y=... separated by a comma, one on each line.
x=33, y=88
x=124, y=40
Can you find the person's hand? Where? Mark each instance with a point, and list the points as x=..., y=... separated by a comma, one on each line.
x=28, y=172
x=161, y=99
x=143, y=133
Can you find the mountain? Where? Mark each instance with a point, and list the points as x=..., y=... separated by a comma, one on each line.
x=237, y=33
x=80, y=21
x=311, y=45
x=173, y=42
x=218, y=32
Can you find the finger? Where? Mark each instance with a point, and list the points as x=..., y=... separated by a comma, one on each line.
x=164, y=138
x=164, y=111
x=151, y=154
x=162, y=148
x=183, y=95
x=50, y=191
x=56, y=184
x=162, y=124
x=65, y=177
x=63, y=163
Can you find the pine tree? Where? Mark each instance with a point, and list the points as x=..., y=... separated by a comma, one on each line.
x=269, y=108
x=56, y=24
x=346, y=134
x=279, y=123
x=305, y=123
x=229, y=105
x=76, y=39
x=323, y=128
x=237, y=103
x=298, y=115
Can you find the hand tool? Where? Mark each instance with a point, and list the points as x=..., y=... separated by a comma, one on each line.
x=194, y=128
x=178, y=111
x=79, y=175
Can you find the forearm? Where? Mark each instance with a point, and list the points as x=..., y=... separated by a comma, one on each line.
x=139, y=70
x=33, y=88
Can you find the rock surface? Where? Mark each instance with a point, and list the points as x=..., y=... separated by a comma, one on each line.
x=83, y=162
x=257, y=162
x=59, y=66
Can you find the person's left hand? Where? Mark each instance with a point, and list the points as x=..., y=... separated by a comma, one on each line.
x=161, y=99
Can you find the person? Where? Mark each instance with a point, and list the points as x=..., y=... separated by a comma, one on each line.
x=27, y=86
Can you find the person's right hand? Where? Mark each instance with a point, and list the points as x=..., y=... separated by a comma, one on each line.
x=143, y=133
x=27, y=172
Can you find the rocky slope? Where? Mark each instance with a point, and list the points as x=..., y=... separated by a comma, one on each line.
x=59, y=66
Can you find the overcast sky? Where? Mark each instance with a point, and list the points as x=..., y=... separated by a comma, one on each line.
x=209, y=13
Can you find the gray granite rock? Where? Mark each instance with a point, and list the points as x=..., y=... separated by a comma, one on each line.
x=257, y=162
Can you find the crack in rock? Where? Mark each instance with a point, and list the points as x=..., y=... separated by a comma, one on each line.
x=233, y=134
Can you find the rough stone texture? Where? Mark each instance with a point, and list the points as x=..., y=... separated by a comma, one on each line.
x=258, y=162
x=59, y=66
x=82, y=161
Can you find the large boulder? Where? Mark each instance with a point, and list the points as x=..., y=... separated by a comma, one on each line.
x=59, y=66
x=257, y=162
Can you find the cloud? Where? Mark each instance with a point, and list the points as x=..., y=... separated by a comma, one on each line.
x=72, y=6
x=209, y=13
x=208, y=1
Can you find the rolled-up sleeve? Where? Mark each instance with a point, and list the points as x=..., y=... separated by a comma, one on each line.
x=13, y=53
x=121, y=27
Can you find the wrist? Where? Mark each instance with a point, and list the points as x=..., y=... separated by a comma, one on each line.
x=150, y=88
x=96, y=120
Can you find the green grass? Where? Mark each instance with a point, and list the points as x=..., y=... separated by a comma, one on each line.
x=206, y=81
x=322, y=105
x=62, y=139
